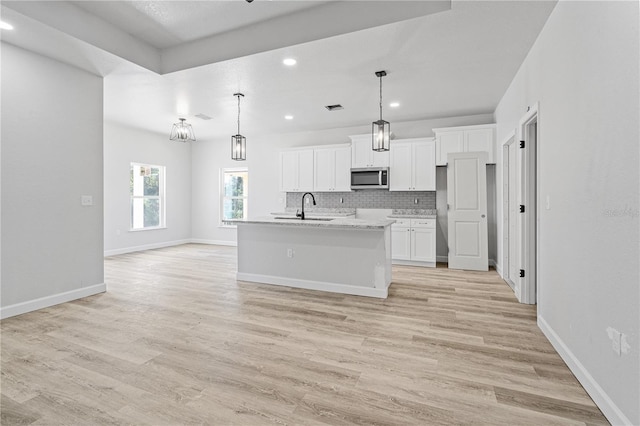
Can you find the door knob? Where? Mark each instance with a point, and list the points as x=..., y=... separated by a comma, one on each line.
x=482, y=216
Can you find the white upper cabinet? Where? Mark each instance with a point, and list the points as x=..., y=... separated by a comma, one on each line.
x=343, y=169
x=448, y=142
x=362, y=155
x=296, y=170
x=412, y=165
x=332, y=169
x=465, y=139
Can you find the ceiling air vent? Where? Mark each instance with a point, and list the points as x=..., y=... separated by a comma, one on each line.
x=334, y=107
x=203, y=116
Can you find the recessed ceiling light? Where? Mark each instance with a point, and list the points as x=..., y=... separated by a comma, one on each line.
x=288, y=117
x=394, y=104
x=5, y=26
x=289, y=62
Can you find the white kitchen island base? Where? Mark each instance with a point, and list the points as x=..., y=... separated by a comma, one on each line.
x=342, y=256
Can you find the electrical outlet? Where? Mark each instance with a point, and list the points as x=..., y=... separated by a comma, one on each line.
x=86, y=200
x=289, y=253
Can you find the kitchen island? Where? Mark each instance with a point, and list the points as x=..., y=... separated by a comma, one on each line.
x=351, y=256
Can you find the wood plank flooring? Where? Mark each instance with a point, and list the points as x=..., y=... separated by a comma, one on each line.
x=176, y=340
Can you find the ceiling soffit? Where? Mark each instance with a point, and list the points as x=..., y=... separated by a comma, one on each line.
x=323, y=20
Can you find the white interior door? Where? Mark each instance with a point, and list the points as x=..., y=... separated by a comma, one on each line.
x=467, y=215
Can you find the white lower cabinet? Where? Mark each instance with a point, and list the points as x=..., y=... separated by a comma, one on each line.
x=423, y=244
x=400, y=242
x=413, y=242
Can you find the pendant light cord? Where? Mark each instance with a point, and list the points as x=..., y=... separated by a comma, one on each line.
x=238, y=114
x=380, y=97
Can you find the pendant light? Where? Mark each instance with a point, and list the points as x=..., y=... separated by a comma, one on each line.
x=238, y=142
x=182, y=132
x=381, y=130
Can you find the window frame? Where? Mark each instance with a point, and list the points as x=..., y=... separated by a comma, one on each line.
x=162, y=170
x=225, y=223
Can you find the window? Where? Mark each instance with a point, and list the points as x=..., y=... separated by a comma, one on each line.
x=146, y=188
x=235, y=191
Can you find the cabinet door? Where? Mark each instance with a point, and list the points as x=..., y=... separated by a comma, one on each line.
x=380, y=158
x=361, y=153
x=288, y=171
x=448, y=142
x=480, y=140
x=305, y=170
x=424, y=166
x=342, y=169
x=400, y=178
x=400, y=242
x=324, y=169
x=423, y=244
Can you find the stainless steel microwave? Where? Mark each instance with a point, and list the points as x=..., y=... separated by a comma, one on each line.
x=370, y=178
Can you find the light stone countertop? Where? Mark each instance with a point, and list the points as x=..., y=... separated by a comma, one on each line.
x=317, y=212
x=414, y=214
x=347, y=223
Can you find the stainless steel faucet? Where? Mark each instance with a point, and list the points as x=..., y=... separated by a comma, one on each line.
x=301, y=214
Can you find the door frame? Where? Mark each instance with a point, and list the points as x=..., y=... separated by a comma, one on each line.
x=508, y=143
x=529, y=197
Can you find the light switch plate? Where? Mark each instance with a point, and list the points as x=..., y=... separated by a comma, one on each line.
x=86, y=200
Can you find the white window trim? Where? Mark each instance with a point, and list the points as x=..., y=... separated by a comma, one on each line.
x=221, y=223
x=161, y=197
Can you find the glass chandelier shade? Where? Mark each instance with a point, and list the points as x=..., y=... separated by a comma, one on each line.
x=238, y=142
x=380, y=129
x=182, y=132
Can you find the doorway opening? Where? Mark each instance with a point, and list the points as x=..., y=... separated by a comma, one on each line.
x=510, y=213
x=520, y=170
x=529, y=140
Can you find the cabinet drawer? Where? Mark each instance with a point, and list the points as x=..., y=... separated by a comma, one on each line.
x=402, y=223
x=423, y=223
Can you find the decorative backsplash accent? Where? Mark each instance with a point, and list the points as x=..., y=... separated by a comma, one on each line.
x=369, y=199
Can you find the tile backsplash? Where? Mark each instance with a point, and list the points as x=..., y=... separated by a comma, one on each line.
x=369, y=199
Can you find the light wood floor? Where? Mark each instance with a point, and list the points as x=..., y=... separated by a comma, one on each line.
x=176, y=340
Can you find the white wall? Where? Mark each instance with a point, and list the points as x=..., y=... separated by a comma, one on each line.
x=583, y=70
x=208, y=157
x=51, y=155
x=123, y=146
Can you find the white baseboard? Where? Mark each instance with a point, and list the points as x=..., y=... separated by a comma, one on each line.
x=133, y=249
x=314, y=285
x=413, y=263
x=599, y=396
x=55, y=299
x=214, y=242
x=445, y=259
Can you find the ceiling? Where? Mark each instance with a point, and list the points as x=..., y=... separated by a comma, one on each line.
x=168, y=59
